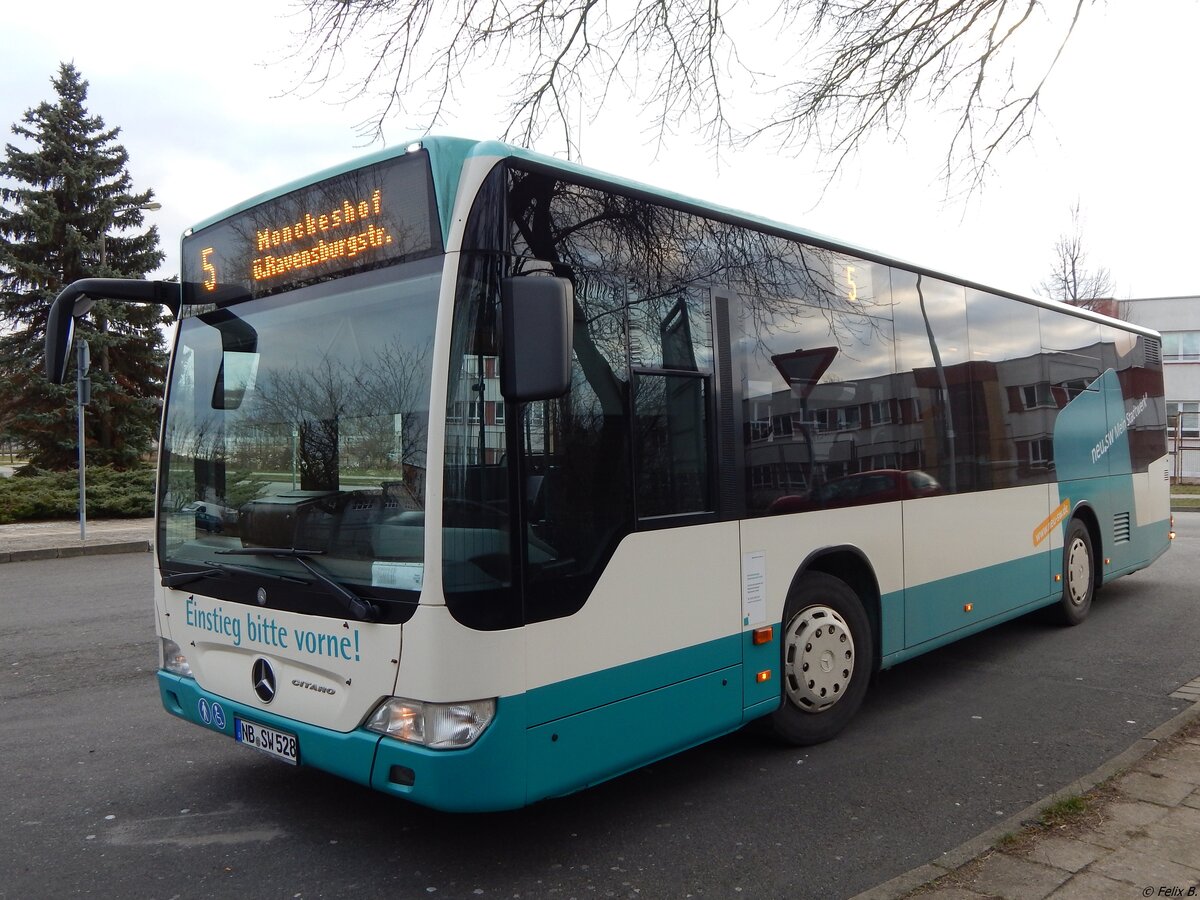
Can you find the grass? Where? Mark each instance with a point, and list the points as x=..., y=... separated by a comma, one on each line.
x=1065, y=811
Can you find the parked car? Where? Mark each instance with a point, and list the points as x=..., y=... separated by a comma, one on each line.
x=208, y=516
x=875, y=486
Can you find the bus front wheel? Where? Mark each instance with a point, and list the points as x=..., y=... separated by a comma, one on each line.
x=826, y=660
x=1079, y=575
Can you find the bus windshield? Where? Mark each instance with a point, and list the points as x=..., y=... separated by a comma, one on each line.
x=299, y=421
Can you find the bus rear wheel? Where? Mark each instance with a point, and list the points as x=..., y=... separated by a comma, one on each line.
x=827, y=655
x=1079, y=575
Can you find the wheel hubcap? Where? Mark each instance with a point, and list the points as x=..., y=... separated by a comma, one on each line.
x=818, y=658
x=1079, y=572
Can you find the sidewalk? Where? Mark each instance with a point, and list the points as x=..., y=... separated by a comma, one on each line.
x=51, y=540
x=1130, y=829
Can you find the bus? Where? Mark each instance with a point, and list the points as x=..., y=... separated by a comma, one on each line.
x=517, y=476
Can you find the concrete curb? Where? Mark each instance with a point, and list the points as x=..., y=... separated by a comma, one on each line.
x=82, y=550
x=903, y=884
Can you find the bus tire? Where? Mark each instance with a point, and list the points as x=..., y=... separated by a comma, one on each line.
x=827, y=655
x=1079, y=575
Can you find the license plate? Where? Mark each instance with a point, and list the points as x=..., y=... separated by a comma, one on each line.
x=278, y=744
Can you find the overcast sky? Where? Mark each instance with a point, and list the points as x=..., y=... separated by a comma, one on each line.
x=200, y=93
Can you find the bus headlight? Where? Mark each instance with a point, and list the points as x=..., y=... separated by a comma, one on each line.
x=173, y=660
x=441, y=726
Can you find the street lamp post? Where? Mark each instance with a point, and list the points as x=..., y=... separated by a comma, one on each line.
x=83, y=384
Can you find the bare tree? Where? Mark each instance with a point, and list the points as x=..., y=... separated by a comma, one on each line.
x=860, y=66
x=1070, y=279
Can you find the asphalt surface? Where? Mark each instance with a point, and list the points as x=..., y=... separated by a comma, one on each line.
x=107, y=794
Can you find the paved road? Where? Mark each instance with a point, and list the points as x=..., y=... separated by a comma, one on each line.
x=104, y=793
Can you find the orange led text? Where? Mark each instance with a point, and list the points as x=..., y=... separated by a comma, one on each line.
x=328, y=247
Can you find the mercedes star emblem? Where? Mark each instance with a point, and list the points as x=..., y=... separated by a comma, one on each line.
x=262, y=676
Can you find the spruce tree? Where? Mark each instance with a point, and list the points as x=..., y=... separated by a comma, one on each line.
x=68, y=211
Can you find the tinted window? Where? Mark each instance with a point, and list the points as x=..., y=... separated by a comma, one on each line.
x=1141, y=379
x=576, y=459
x=819, y=393
x=1012, y=401
x=477, y=542
x=1073, y=351
x=934, y=363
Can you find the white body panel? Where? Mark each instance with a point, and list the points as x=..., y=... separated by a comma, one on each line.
x=1152, y=492
x=954, y=534
x=789, y=540
x=444, y=661
x=662, y=591
x=349, y=665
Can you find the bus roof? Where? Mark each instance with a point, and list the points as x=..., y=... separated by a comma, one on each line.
x=447, y=155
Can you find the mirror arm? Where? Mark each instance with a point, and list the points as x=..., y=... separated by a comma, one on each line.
x=80, y=296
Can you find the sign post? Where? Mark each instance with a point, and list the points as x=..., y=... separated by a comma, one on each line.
x=83, y=395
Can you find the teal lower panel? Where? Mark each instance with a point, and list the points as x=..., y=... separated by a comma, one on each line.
x=1146, y=544
x=568, y=697
x=891, y=626
x=593, y=746
x=939, y=608
x=487, y=776
x=348, y=755
x=759, y=659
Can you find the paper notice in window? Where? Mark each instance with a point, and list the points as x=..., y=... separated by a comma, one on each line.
x=402, y=575
x=754, y=588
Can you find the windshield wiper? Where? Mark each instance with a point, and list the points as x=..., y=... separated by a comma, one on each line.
x=363, y=610
x=182, y=578
x=178, y=579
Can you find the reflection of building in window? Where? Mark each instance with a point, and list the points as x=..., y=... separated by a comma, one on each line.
x=1074, y=388
x=1041, y=452
x=842, y=418
x=478, y=413
x=762, y=476
x=1004, y=415
x=760, y=421
x=1034, y=396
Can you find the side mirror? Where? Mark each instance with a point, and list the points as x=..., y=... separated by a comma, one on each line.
x=239, y=359
x=538, y=312
x=80, y=296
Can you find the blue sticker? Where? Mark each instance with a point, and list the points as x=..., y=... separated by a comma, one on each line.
x=218, y=716
x=202, y=708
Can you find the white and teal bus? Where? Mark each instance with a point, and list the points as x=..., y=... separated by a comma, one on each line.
x=486, y=477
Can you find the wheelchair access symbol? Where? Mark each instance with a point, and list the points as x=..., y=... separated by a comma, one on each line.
x=211, y=713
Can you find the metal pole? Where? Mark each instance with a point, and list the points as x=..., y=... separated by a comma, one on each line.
x=82, y=392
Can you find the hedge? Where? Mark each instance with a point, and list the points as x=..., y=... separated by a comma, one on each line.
x=33, y=495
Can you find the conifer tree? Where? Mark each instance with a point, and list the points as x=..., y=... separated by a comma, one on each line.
x=68, y=211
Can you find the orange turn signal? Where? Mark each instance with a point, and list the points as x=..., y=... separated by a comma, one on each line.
x=763, y=635
x=967, y=607
x=764, y=675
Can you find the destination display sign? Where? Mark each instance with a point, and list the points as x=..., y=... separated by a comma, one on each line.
x=378, y=215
